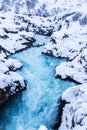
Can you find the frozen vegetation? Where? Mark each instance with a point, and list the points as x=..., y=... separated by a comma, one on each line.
x=66, y=22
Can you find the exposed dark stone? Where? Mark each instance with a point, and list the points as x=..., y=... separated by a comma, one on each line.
x=59, y=28
x=53, y=41
x=38, y=45
x=67, y=15
x=4, y=94
x=67, y=22
x=29, y=43
x=85, y=68
x=41, y=31
x=76, y=16
x=9, y=31
x=65, y=36
x=59, y=116
x=4, y=50
x=7, y=92
x=83, y=21
x=18, y=87
x=3, y=17
x=4, y=36
x=49, y=52
x=12, y=68
x=48, y=32
x=67, y=79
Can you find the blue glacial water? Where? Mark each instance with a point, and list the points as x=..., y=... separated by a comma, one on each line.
x=39, y=103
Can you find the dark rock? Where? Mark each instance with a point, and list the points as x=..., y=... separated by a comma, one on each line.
x=76, y=16
x=59, y=28
x=4, y=50
x=59, y=116
x=4, y=36
x=8, y=91
x=49, y=52
x=10, y=31
x=67, y=15
x=67, y=22
x=39, y=45
x=18, y=87
x=29, y=43
x=4, y=94
x=12, y=68
x=65, y=36
x=53, y=41
x=68, y=78
x=83, y=21
x=3, y=17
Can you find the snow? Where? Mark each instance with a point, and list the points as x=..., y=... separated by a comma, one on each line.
x=17, y=77
x=13, y=38
x=67, y=21
x=70, y=42
x=13, y=32
x=15, y=64
x=7, y=77
x=5, y=80
x=3, y=68
x=74, y=112
x=42, y=127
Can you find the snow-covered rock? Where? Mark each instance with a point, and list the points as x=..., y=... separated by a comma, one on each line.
x=75, y=69
x=75, y=111
x=12, y=64
x=10, y=82
x=14, y=37
x=70, y=42
x=18, y=82
x=13, y=33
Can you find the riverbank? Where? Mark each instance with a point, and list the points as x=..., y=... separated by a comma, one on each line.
x=12, y=40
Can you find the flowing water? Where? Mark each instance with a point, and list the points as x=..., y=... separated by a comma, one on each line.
x=39, y=103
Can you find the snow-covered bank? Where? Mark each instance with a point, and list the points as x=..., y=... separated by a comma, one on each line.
x=75, y=111
x=70, y=42
x=10, y=82
x=13, y=38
